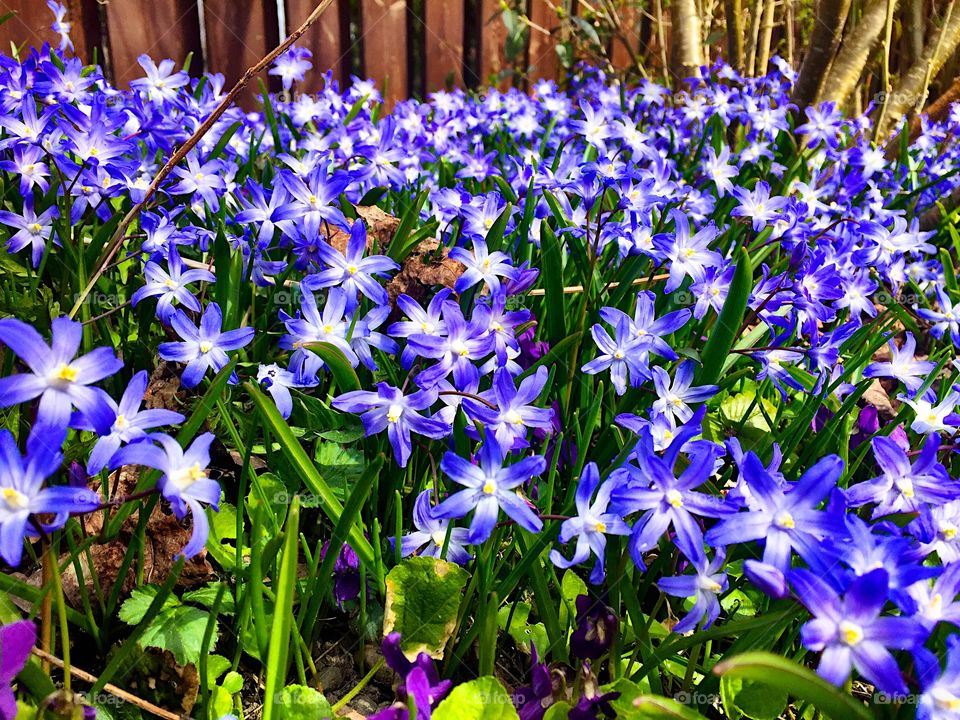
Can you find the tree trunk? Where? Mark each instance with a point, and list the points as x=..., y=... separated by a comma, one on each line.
x=733, y=9
x=756, y=11
x=827, y=28
x=911, y=90
x=854, y=53
x=766, y=34
x=685, y=25
x=913, y=31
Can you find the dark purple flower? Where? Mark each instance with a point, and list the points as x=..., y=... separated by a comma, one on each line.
x=16, y=641
x=346, y=574
x=597, y=625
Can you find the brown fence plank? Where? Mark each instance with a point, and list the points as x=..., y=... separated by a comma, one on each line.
x=30, y=27
x=160, y=28
x=444, y=43
x=623, y=55
x=493, y=34
x=385, y=47
x=542, y=50
x=328, y=40
x=239, y=33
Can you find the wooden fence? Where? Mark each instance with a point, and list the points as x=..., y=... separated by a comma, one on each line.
x=407, y=46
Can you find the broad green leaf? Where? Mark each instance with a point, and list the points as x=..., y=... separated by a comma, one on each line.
x=300, y=702
x=522, y=631
x=558, y=711
x=423, y=597
x=572, y=586
x=180, y=630
x=750, y=699
x=480, y=699
x=136, y=606
x=207, y=595
x=796, y=680
x=724, y=332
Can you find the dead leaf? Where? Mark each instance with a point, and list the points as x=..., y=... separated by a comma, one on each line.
x=423, y=270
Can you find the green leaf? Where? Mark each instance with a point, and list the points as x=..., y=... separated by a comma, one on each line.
x=724, y=332
x=300, y=702
x=572, y=586
x=657, y=708
x=136, y=606
x=797, y=681
x=283, y=620
x=558, y=711
x=343, y=373
x=523, y=632
x=297, y=457
x=480, y=699
x=750, y=699
x=207, y=595
x=423, y=597
x=180, y=630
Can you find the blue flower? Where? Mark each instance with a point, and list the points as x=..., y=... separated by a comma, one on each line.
x=389, y=409
x=672, y=398
x=184, y=482
x=850, y=632
x=292, y=65
x=205, y=347
x=705, y=585
x=171, y=285
x=785, y=518
x=489, y=487
x=592, y=523
x=431, y=533
x=902, y=365
x=57, y=378
x=22, y=493
x=129, y=424
x=482, y=266
x=514, y=412
x=350, y=270
x=665, y=500
x=941, y=696
x=904, y=487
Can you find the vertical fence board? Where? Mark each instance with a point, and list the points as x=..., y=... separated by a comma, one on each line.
x=30, y=27
x=385, y=47
x=444, y=43
x=493, y=33
x=161, y=29
x=328, y=40
x=542, y=51
x=620, y=55
x=239, y=33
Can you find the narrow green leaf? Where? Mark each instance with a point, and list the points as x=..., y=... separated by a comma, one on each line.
x=796, y=680
x=298, y=458
x=724, y=332
x=343, y=373
x=283, y=620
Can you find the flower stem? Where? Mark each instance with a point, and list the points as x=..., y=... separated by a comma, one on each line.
x=61, y=614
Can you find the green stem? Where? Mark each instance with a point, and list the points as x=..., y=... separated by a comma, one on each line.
x=61, y=615
x=342, y=702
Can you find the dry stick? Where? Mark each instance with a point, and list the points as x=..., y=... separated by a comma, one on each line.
x=112, y=689
x=117, y=238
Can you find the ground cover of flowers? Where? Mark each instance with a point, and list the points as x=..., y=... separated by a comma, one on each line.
x=595, y=402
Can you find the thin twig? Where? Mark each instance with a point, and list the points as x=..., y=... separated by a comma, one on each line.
x=112, y=689
x=118, y=236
